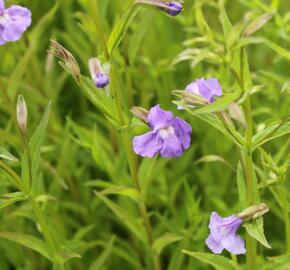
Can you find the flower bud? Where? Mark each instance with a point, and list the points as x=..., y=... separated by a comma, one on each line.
x=254, y=211
x=140, y=112
x=21, y=112
x=100, y=78
x=68, y=59
x=172, y=8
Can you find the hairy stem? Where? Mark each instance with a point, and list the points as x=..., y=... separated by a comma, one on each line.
x=117, y=95
x=283, y=195
x=248, y=163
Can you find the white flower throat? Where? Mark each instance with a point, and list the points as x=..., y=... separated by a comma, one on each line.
x=166, y=132
x=4, y=17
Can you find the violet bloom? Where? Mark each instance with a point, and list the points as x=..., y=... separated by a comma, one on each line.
x=170, y=136
x=207, y=89
x=173, y=8
x=99, y=77
x=13, y=22
x=223, y=234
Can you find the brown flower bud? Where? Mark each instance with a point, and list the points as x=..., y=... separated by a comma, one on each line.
x=68, y=59
x=254, y=211
x=140, y=113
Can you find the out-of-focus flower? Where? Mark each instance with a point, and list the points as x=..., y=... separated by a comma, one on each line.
x=207, y=89
x=13, y=22
x=173, y=8
x=70, y=63
x=223, y=234
x=99, y=77
x=169, y=135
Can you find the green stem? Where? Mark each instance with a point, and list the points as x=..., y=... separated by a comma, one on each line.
x=43, y=224
x=248, y=163
x=117, y=95
x=283, y=195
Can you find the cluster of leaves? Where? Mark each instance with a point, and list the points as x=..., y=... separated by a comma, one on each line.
x=81, y=210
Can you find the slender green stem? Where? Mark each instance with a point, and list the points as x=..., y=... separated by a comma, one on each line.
x=283, y=195
x=248, y=163
x=43, y=224
x=29, y=160
x=117, y=95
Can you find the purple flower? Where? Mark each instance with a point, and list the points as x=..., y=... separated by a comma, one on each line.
x=99, y=77
x=101, y=80
x=207, y=89
x=223, y=234
x=13, y=22
x=173, y=8
x=170, y=136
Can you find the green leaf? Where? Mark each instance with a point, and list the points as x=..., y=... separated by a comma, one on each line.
x=258, y=23
x=165, y=240
x=219, y=104
x=241, y=187
x=130, y=221
x=28, y=241
x=102, y=259
x=280, y=50
x=214, y=121
x=213, y=158
x=121, y=27
x=99, y=98
x=123, y=191
x=37, y=139
x=11, y=198
x=217, y=261
x=256, y=230
x=271, y=132
x=278, y=263
x=4, y=154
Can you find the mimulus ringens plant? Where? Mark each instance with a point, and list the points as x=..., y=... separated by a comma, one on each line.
x=223, y=234
x=13, y=22
x=99, y=77
x=170, y=136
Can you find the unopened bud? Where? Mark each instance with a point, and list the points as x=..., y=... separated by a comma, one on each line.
x=99, y=77
x=21, y=112
x=140, y=113
x=253, y=212
x=172, y=8
x=66, y=57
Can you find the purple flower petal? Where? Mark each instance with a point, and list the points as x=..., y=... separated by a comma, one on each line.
x=147, y=145
x=172, y=147
x=234, y=244
x=209, y=88
x=215, y=246
x=2, y=41
x=2, y=5
x=183, y=131
x=192, y=88
x=159, y=118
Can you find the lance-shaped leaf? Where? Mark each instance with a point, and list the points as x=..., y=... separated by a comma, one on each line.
x=28, y=241
x=256, y=230
x=4, y=154
x=217, y=261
